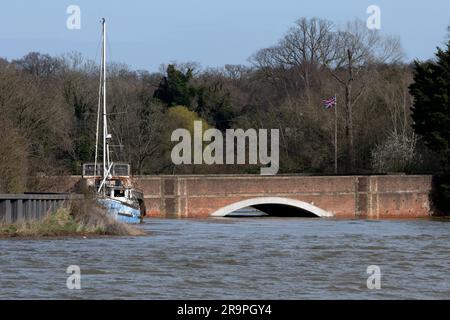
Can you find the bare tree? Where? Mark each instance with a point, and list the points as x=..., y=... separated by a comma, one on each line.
x=356, y=51
x=38, y=64
x=13, y=159
x=302, y=50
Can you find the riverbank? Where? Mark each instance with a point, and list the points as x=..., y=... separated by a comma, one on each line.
x=77, y=219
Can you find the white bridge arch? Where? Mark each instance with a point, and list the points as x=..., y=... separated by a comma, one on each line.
x=278, y=201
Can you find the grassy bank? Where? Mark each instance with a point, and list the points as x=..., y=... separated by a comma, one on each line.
x=77, y=219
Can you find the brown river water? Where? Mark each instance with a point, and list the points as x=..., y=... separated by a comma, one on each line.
x=238, y=258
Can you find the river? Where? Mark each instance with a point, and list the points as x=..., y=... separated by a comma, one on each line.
x=238, y=258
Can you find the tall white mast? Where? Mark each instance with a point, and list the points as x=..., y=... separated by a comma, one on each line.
x=97, y=133
x=106, y=136
x=104, y=95
x=105, y=130
x=107, y=165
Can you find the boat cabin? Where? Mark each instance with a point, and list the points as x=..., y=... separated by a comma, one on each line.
x=119, y=169
x=118, y=185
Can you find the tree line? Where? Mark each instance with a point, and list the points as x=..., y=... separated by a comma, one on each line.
x=48, y=108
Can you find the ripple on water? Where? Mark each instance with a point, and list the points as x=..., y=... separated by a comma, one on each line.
x=238, y=259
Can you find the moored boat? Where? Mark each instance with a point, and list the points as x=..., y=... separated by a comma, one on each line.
x=120, y=198
x=111, y=181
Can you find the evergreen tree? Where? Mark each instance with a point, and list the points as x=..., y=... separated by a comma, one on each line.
x=431, y=113
x=174, y=88
x=215, y=106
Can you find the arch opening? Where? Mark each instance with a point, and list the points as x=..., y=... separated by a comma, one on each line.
x=273, y=206
x=280, y=210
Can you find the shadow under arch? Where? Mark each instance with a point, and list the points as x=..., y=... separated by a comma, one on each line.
x=275, y=206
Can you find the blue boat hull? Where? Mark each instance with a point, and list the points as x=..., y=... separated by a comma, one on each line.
x=121, y=211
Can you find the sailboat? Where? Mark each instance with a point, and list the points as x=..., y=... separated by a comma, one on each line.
x=111, y=181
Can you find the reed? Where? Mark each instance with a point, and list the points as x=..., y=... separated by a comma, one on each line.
x=80, y=218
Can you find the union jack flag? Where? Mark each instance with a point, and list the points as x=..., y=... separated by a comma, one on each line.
x=329, y=103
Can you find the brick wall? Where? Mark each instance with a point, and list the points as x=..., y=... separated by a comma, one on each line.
x=346, y=196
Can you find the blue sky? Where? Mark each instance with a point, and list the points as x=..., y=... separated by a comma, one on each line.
x=144, y=34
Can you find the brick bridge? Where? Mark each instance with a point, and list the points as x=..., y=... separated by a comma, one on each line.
x=200, y=196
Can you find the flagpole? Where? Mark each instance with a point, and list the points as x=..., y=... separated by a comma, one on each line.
x=335, y=136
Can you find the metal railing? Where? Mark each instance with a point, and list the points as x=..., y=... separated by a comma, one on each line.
x=33, y=206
